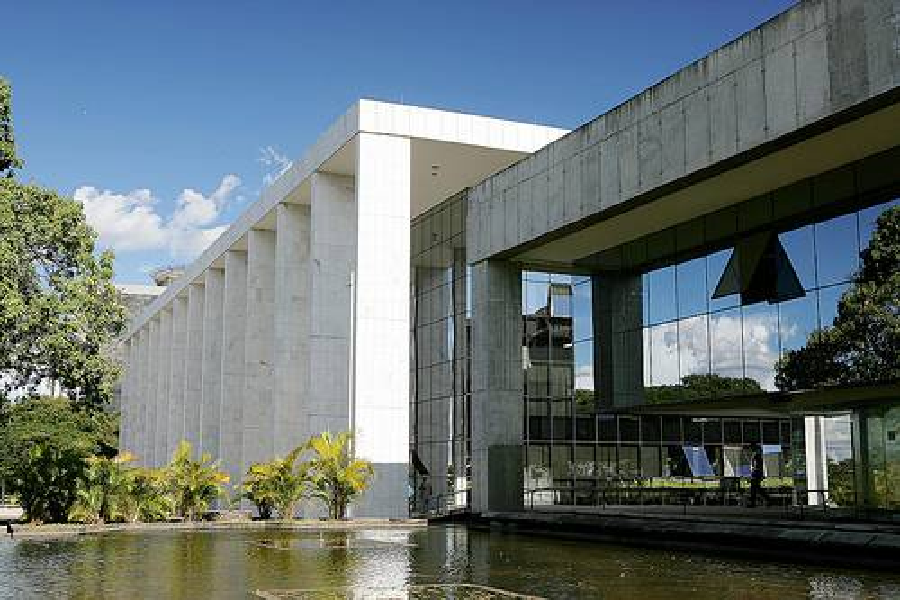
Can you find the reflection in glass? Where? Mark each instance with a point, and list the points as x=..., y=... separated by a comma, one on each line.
x=584, y=376
x=798, y=244
x=837, y=252
x=536, y=298
x=693, y=346
x=760, y=339
x=691, y=279
x=828, y=303
x=726, y=353
x=796, y=320
x=582, y=311
x=661, y=294
x=664, y=354
x=715, y=266
x=561, y=300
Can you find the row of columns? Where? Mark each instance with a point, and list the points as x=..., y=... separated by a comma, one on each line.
x=203, y=368
x=303, y=331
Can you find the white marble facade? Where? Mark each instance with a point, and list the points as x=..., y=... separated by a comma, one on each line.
x=296, y=320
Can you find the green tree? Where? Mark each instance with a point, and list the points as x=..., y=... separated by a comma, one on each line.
x=58, y=306
x=103, y=491
x=863, y=344
x=146, y=496
x=704, y=386
x=336, y=476
x=193, y=483
x=46, y=444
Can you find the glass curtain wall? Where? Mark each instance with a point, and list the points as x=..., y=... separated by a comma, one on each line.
x=440, y=392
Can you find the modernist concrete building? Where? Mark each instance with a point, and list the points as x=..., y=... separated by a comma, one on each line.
x=296, y=320
x=615, y=308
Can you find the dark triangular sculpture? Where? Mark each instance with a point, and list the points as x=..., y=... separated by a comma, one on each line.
x=759, y=270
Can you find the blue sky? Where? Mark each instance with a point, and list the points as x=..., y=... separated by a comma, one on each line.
x=165, y=117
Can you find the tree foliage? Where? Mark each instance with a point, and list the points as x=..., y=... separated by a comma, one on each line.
x=193, y=484
x=279, y=485
x=337, y=477
x=46, y=444
x=58, y=306
x=702, y=386
x=863, y=344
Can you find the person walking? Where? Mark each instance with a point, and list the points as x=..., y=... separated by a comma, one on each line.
x=9, y=529
x=756, y=477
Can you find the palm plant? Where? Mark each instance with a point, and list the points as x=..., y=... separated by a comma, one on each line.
x=193, y=483
x=102, y=489
x=146, y=498
x=279, y=484
x=337, y=476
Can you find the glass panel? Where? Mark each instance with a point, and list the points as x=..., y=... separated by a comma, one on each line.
x=715, y=266
x=537, y=470
x=607, y=428
x=712, y=431
x=582, y=311
x=536, y=298
x=693, y=346
x=796, y=320
x=561, y=464
x=692, y=295
x=664, y=354
x=760, y=325
x=828, y=303
x=726, y=352
x=839, y=460
x=584, y=376
x=650, y=429
x=868, y=219
x=628, y=461
x=650, y=463
x=561, y=300
x=628, y=429
x=663, y=300
x=801, y=251
x=585, y=466
x=837, y=252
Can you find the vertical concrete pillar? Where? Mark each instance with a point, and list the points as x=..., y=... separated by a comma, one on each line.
x=816, y=461
x=234, y=319
x=152, y=383
x=258, y=415
x=163, y=374
x=332, y=257
x=212, y=361
x=125, y=418
x=380, y=341
x=177, y=373
x=193, y=364
x=140, y=390
x=497, y=402
x=291, y=385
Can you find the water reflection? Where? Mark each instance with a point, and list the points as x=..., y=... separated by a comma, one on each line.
x=232, y=564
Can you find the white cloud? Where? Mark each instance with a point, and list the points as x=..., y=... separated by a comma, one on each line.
x=131, y=222
x=275, y=162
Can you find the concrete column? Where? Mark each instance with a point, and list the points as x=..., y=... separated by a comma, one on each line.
x=212, y=361
x=193, y=364
x=380, y=341
x=177, y=373
x=332, y=256
x=127, y=396
x=291, y=385
x=234, y=320
x=163, y=373
x=152, y=383
x=497, y=402
x=259, y=426
x=816, y=460
x=140, y=390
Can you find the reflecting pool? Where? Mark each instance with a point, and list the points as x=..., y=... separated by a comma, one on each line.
x=398, y=563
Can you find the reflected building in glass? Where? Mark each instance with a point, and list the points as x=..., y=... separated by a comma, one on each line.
x=628, y=315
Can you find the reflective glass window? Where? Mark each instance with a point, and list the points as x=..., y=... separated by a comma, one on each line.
x=837, y=250
x=582, y=311
x=691, y=285
x=584, y=375
x=760, y=339
x=828, y=303
x=715, y=266
x=726, y=347
x=650, y=463
x=796, y=320
x=536, y=298
x=664, y=354
x=662, y=297
x=800, y=248
x=868, y=220
x=693, y=346
x=560, y=300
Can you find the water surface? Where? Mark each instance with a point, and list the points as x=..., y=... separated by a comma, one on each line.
x=399, y=564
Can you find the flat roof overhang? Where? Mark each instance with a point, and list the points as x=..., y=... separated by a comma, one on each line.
x=853, y=134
